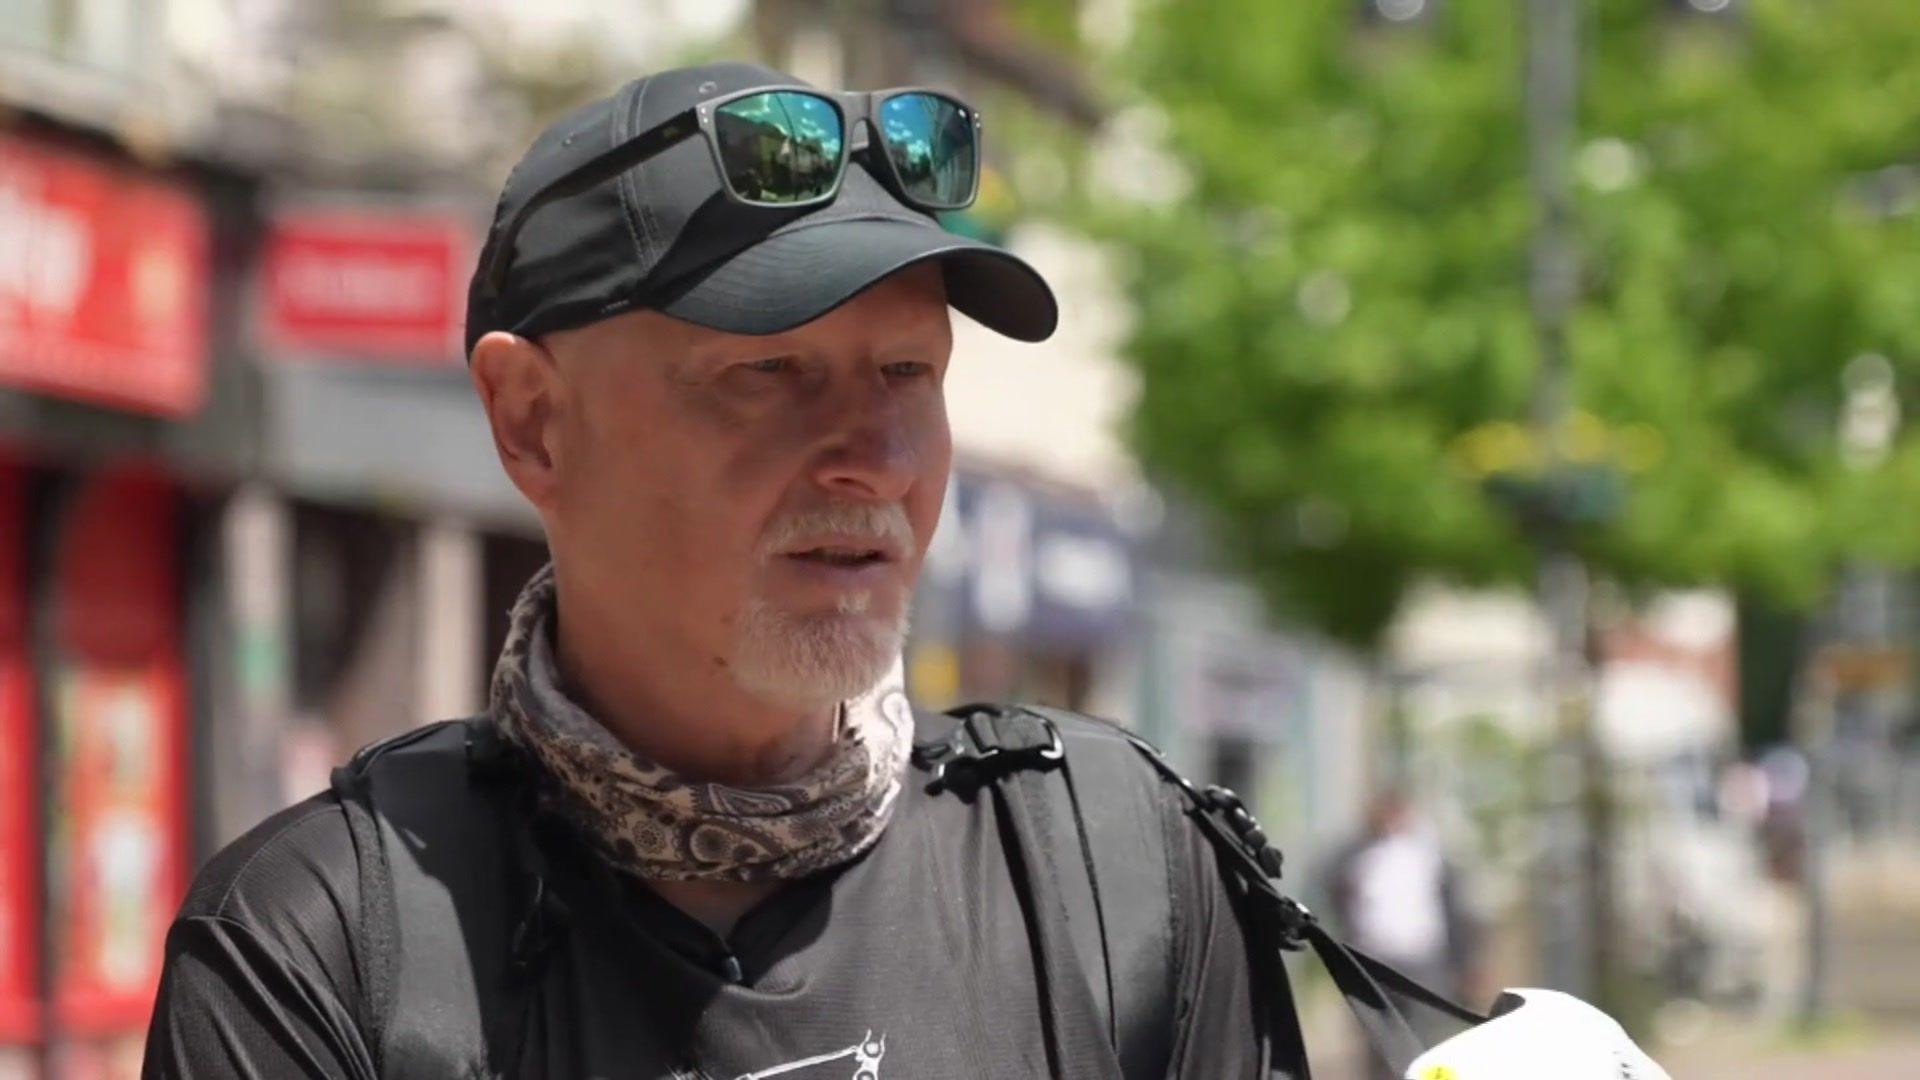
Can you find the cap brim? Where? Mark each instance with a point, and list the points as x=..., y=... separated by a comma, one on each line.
x=798, y=275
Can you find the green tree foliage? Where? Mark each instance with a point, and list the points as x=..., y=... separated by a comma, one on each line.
x=1333, y=326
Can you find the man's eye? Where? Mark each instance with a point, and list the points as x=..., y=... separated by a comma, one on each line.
x=772, y=365
x=908, y=369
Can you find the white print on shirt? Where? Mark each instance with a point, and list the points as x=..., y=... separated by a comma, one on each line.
x=866, y=1055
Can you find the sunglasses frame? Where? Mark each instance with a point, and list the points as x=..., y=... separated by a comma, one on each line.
x=700, y=120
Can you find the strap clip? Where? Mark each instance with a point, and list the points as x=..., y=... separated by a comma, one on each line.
x=989, y=739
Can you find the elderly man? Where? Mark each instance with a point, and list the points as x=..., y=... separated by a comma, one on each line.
x=689, y=838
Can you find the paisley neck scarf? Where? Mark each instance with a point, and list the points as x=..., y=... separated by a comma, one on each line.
x=656, y=825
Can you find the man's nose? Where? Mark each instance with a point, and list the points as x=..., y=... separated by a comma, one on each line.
x=870, y=454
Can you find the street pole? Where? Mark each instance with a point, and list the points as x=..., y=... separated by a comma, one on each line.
x=1552, y=80
x=1819, y=833
x=1571, y=899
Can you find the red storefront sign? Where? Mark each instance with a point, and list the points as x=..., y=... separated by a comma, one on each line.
x=103, y=281
x=120, y=857
x=117, y=853
x=367, y=285
x=19, y=750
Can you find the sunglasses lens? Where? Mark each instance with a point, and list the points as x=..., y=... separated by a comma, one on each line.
x=780, y=147
x=933, y=145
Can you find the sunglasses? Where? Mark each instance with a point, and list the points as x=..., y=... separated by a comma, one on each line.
x=788, y=147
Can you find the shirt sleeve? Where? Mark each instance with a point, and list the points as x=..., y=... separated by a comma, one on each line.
x=260, y=977
x=1223, y=1029
x=232, y=1006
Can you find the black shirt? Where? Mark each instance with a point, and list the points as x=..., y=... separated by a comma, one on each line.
x=914, y=961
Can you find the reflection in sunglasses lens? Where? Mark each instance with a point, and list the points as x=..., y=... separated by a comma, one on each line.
x=780, y=147
x=930, y=140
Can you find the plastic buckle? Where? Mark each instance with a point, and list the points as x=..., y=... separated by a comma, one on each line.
x=965, y=747
x=1295, y=918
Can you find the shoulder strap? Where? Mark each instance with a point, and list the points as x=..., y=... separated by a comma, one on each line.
x=1085, y=800
x=1024, y=754
x=1362, y=980
x=438, y=932
x=1113, y=804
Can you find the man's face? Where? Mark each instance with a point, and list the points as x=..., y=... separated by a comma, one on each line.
x=763, y=502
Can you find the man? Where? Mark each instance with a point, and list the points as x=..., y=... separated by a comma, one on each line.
x=709, y=330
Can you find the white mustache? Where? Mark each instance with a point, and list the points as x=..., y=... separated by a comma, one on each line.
x=885, y=525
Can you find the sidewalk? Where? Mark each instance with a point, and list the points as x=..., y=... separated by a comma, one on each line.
x=1867, y=1057
x=1892, y=1058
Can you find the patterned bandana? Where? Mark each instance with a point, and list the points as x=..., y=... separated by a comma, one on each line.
x=656, y=825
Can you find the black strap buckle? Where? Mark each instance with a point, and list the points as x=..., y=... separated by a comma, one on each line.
x=989, y=739
x=1295, y=919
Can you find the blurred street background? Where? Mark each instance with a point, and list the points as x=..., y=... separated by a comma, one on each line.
x=1475, y=434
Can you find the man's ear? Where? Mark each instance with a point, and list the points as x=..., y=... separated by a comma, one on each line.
x=521, y=388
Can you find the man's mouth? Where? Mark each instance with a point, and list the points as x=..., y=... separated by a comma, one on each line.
x=837, y=555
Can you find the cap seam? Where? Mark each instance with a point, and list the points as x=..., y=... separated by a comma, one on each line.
x=634, y=207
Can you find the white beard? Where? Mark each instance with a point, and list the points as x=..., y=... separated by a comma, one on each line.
x=813, y=661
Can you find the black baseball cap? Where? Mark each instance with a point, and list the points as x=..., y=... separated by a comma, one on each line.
x=664, y=235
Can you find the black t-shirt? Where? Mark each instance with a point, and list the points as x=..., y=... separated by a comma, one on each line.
x=913, y=961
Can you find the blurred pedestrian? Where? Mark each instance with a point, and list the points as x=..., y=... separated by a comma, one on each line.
x=1398, y=897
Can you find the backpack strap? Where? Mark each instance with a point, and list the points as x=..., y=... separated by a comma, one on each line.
x=447, y=962
x=1016, y=758
x=1361, y=979
x=1080, y=793
x=1114, y=806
